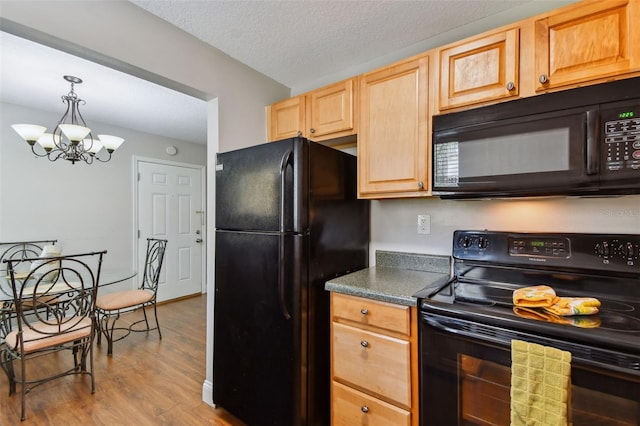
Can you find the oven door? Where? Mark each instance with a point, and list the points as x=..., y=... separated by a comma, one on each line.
x=465, y=379
x=542, y=154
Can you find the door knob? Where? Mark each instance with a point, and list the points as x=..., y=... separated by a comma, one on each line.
x=198, y=240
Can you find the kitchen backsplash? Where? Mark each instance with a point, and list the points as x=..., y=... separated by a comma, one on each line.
x=413, y=261
x=394, y=222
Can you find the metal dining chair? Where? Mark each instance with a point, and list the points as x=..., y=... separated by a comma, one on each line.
x=64, y=288
x=18, y=251
x=110, y=306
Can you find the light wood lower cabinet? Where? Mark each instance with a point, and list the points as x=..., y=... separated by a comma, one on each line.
x=374, y=364
x=351, y=407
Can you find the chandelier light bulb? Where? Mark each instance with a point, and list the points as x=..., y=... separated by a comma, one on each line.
x=29, y=132
x=74, y=133
x=92, y=146
x=111, y=143
x=49, y=141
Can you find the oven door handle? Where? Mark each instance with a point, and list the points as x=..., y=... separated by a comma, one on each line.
x=618, y=361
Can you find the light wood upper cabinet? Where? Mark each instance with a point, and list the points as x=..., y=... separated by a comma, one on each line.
x=591, y=41
x=331, y=110
x=286, y=119
x=326, y=113
x=393, y=131
x=480, y=69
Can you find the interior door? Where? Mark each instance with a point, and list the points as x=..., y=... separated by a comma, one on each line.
x=170, y=207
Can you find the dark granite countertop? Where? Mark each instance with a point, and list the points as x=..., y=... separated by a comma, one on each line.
x=395, y=278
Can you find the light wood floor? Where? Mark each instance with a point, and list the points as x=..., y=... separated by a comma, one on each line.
x=147, y=381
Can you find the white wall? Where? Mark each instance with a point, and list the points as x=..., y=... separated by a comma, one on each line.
x=132, y=40
x=85, y=207
x=394, y=222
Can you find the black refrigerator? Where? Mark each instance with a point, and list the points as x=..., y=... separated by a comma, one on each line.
x=287, y=220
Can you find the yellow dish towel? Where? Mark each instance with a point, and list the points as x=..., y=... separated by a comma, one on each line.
x=566, y=306
x=543, y=315
x=540, y=385
x=537, y=296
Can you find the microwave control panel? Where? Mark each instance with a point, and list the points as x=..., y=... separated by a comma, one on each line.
x=621, y=126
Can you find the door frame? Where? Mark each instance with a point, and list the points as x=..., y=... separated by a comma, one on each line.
x=203, y=180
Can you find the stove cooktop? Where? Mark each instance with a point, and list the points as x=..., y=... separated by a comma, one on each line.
x=490, y=266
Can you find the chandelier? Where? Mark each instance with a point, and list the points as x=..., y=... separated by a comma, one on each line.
x=71, y=139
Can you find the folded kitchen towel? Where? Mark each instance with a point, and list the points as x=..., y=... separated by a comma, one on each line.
x=540, y=385
x=541, y=314
x=537, y=296
x=566, y=306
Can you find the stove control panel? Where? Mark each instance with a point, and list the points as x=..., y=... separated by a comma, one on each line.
x=540, y=247
x=602, y=252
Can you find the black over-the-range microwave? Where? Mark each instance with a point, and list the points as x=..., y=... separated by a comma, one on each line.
x=583, y=141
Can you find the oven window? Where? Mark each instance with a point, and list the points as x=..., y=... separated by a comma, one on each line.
x=484, y=398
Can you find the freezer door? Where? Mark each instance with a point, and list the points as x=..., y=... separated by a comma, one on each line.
x=256, y=187
x=257, y=367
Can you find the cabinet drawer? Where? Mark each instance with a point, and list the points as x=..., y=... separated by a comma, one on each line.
x=353, y=408
x=382, y=315
x=375, y=362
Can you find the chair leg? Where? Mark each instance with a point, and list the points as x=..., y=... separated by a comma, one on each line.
x=108, y=329
x=23, y=389
x=155, y=313
x=7, y=365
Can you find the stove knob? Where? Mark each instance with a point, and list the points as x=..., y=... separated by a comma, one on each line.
x=629, y=251
x=483, y=242
x=465, y=241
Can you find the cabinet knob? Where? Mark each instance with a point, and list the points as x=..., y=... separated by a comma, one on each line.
x=543, y=79
x=420, y=185
x=364, y=344
x=364, y=311
x=510, y=86
x=364, y=409
x=312, y=130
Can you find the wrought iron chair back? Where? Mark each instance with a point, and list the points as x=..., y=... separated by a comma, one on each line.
x=17, y=251
x=110, y=306
x=153, y=264
x=64, y=288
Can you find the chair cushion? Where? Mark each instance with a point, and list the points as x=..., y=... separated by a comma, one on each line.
x=123, y=299
x=38, y=337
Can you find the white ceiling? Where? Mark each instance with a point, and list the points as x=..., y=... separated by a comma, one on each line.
x=296, y=43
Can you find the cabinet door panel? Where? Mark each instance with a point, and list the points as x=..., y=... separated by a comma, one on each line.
x=586, y=43
x=331, y=110
x=375, y=362
x=352, y=408
x=480, y=70
x=392, y=143
x=286, y=118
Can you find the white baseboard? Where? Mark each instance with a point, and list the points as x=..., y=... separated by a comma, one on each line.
x=207, y=393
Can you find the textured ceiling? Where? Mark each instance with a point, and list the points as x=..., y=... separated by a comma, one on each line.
x=299, y=42
x=302, y=44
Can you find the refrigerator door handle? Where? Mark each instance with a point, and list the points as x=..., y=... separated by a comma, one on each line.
x=286, y=159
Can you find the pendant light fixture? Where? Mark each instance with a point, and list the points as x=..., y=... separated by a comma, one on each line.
x=71, y=139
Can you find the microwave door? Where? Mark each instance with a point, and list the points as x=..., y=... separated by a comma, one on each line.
x=542, y=155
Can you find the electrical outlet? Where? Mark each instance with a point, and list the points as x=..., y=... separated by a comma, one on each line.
x=424, y=224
